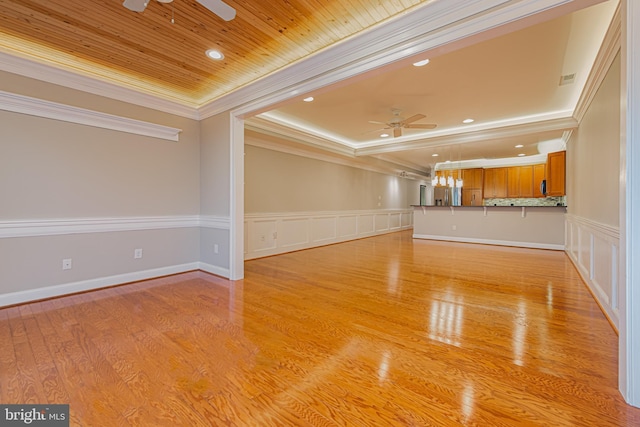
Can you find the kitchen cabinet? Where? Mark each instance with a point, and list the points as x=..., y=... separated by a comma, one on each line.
x=538, y=177
x=472, y=183
x=495, y=183
x=520, y=181
x=472, y=178
x=471, y=197
x=447, y=173
x=556, y=163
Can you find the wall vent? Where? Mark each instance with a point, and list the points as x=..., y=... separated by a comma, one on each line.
x=567, y=79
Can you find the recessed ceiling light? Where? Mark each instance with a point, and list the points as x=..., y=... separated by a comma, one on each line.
x=519, y=146
x=421, y=63
x=308, y=99
x=521, y=155
x=214, y=54
x=434, y=155
x=468, y=121
x=384, y=135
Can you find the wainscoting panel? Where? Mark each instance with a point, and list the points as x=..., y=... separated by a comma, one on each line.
x=395, y=220
x=593, y=248
x=271, y=234
x=323, y=228
x=262, y=236
x=382, y=222
x=294, y=232
x=601, y=266
x=407, y=219
x=366, y=224
x=348, y=226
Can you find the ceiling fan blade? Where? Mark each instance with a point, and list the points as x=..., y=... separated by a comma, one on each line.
x=377, y=123
x=421, y=126
x=220, y=8
x=375, y=130
x=397, y=132
x=414, y=118
x=136, y=5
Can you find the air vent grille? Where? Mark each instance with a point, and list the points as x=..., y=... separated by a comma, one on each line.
x=567, y=79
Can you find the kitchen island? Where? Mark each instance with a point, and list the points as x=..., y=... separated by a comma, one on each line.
x=540, y=227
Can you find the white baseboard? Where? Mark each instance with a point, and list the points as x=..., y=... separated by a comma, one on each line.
x=214, y=269
x=491, y=242
x=92, y=284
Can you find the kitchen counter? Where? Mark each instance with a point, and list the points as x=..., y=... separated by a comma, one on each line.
x=488, y=206
x=524, y=226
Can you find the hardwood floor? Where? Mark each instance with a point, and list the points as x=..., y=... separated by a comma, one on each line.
x=384, y=331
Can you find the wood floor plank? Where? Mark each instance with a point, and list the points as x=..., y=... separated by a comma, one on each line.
x=10, y=390
x=380, y=331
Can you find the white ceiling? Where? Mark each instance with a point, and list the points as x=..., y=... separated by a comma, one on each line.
x=508, y=84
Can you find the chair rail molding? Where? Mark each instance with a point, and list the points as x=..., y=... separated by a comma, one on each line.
x=52, y=227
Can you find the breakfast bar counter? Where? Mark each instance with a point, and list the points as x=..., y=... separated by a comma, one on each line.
x=524, y=226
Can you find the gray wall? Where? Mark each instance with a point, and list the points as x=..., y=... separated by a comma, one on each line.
x=282, y=182
x=52, y=170
x=215, y=165
x=593, y=156
x=215, y=193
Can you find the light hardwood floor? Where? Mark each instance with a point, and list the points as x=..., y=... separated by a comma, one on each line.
x=384, y=331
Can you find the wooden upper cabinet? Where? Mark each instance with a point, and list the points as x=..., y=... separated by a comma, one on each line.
x=513, y=181
x=538, y=177
x=520, y=181
x=472, y=178
x=556, y=173
x=495, y=183
x=526, y=181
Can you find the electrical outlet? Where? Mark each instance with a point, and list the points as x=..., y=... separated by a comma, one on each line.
x=215, y=248
x=66, y=264
x=453, y=227
x=137, y=253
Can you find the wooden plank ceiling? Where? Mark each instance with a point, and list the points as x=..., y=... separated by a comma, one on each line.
x=148, y=52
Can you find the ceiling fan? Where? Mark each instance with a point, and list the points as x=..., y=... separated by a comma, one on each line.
x=397, y=123
x=218, y=7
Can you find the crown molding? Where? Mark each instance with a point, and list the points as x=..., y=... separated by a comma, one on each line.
x=53, y=110
x=394, y=42
x=29, y=67
x=427, y=27
x=280, y=130
x=372, y=165
x=565, y=123
x=605, y=57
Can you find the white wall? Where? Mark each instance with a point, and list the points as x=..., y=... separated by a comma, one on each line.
x=593, y=176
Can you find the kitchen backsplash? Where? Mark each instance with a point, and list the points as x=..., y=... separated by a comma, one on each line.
x=541, y=201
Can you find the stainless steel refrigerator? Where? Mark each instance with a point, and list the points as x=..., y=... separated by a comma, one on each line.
x=447, y=196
